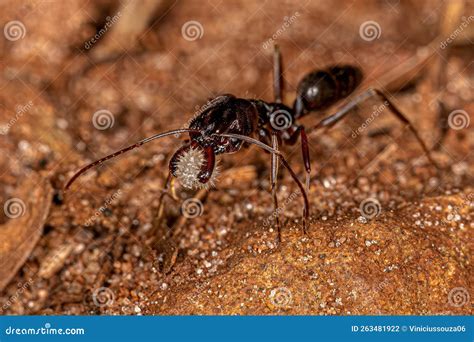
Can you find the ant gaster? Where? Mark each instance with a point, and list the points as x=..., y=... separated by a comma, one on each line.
x=227, y=122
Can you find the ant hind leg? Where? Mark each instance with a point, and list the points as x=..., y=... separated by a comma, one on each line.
x=371, y=92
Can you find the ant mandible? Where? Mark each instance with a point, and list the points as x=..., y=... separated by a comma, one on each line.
x=227, y=123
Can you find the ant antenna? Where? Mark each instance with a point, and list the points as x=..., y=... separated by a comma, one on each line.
x=126, y=149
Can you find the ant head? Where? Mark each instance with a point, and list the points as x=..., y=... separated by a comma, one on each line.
x=194, y=166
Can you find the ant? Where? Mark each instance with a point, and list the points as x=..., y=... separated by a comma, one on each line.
x=227, y=123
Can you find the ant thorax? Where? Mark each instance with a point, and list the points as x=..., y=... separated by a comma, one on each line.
x=188, y=166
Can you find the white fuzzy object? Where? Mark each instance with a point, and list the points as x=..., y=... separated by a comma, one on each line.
x=188, y=167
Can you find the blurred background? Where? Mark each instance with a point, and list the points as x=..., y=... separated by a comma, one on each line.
x=80, y=79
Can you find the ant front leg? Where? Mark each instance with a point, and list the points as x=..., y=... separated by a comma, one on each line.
x=342, y=113
x=305, y=154
x=273, y=181
x=168, y=190
x=300, y=131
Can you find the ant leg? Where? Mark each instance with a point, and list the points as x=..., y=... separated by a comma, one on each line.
x=277, y=84
x=341, y=113
x=285, y=164
x=168, y=190
x=159, y=216
x=305, y=153
x=301, y=131
x=273, y=181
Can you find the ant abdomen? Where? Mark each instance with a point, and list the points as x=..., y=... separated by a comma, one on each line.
x=322, y=88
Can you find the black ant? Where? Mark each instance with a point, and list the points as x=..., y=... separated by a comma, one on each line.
x=227, y=123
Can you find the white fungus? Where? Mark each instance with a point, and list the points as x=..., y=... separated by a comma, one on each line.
x=188, y=166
